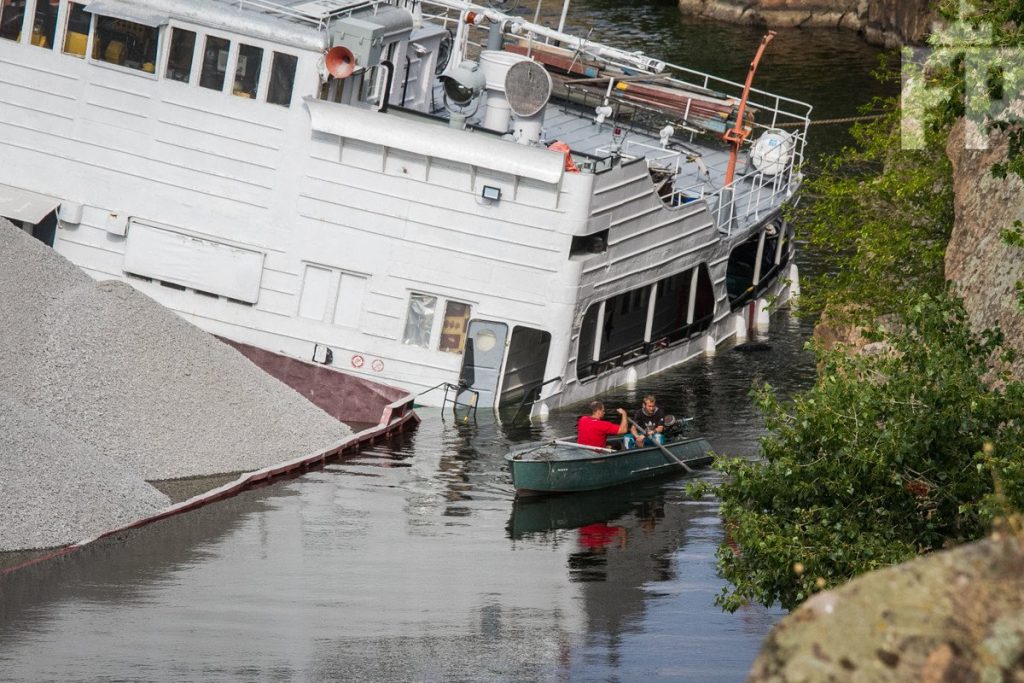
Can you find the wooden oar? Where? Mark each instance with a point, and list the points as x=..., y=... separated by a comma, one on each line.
x=664, y=450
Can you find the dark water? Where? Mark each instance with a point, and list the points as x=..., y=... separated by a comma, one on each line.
x=414, y=561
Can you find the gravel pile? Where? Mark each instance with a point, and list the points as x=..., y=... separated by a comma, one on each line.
x=55, y=490
x=106, y=365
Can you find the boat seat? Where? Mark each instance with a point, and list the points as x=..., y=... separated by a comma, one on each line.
x=114, y=52
x=75, y=43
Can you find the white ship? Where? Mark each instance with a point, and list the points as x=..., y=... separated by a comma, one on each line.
x=417, y=192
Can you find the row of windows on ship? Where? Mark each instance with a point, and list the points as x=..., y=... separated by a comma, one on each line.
x=136, y=46
x=613, y=333
x=336, y=297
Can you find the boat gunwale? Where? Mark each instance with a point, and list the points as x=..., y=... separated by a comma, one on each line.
x=587, y=453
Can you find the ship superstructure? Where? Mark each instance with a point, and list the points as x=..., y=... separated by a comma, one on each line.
x=421, y=193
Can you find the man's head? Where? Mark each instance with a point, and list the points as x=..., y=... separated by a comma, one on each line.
x=596, y=409
x=650, y=405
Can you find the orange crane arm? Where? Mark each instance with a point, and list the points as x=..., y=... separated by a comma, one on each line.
x=739, y=133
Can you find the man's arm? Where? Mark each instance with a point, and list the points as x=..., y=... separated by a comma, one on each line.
x=623, y=421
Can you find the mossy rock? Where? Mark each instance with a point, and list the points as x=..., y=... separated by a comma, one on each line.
x=953, y=616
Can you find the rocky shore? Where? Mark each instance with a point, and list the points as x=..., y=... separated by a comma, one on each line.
x=881, y=22
x=956, y=615
x=102, y=391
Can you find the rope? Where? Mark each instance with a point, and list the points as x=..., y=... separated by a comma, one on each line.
x=824, y=122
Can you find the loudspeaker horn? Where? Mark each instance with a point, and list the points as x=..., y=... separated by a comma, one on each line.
x=340, y=61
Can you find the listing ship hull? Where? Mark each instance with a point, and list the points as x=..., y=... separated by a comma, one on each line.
x=220, y=158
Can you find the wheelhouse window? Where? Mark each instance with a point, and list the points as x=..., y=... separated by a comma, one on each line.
x=182, y=52
x=753, y=265
x=614, y=334
x=247, y=71
x=215, y=63
x=44, y=25
x=282, y=79
x=12, y=17
x=126, y=43
x=76, y=37
x=419, y=321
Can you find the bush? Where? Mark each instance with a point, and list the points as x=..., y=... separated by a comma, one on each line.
x=887, y=456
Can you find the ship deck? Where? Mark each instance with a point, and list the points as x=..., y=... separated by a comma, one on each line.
x=698, y=161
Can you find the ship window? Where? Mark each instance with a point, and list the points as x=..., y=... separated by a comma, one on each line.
x=453, y=333
x=215, y=63
x=77, y=35
x=125, y=43
x=247, y=71
x=420, y=320
x=12, y=16
x=45, y=25
x=583, y=245
x=179, y=61
x=282, y=79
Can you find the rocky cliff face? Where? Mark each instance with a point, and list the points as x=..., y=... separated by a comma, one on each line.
x=984, y=268
x=882, y=22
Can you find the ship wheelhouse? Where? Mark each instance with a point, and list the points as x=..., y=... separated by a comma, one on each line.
x=415, y=192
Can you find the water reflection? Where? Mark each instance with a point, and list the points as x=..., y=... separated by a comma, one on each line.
x=534, y=515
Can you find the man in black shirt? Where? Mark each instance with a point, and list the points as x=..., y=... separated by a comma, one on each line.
x=651, y=421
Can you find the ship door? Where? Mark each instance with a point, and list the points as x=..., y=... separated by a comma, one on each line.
x=481, y=361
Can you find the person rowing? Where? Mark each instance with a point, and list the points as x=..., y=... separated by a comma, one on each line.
x=594, y=430
x=648, y=425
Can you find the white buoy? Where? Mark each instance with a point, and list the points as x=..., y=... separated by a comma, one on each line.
x=631, y=377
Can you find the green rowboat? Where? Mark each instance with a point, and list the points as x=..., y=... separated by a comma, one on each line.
x=563, y=466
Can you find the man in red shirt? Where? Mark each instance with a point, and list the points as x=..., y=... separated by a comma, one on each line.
x=592, y=430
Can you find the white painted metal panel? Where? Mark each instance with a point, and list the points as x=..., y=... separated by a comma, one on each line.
x=129, y=11
x=192, y=262
x=22, y=205
x=350, y=300
x=436, y=141
x=316, y=290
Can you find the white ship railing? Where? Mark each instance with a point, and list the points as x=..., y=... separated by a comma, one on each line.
x=751, y=197
x=316, y=12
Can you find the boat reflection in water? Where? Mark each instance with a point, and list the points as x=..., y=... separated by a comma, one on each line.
x=542, y=514
x=641, y=560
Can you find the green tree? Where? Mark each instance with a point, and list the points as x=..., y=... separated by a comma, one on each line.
x=881, y=216
x=887, y=456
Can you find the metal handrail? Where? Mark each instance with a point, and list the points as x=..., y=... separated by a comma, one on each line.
x=779, y=185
